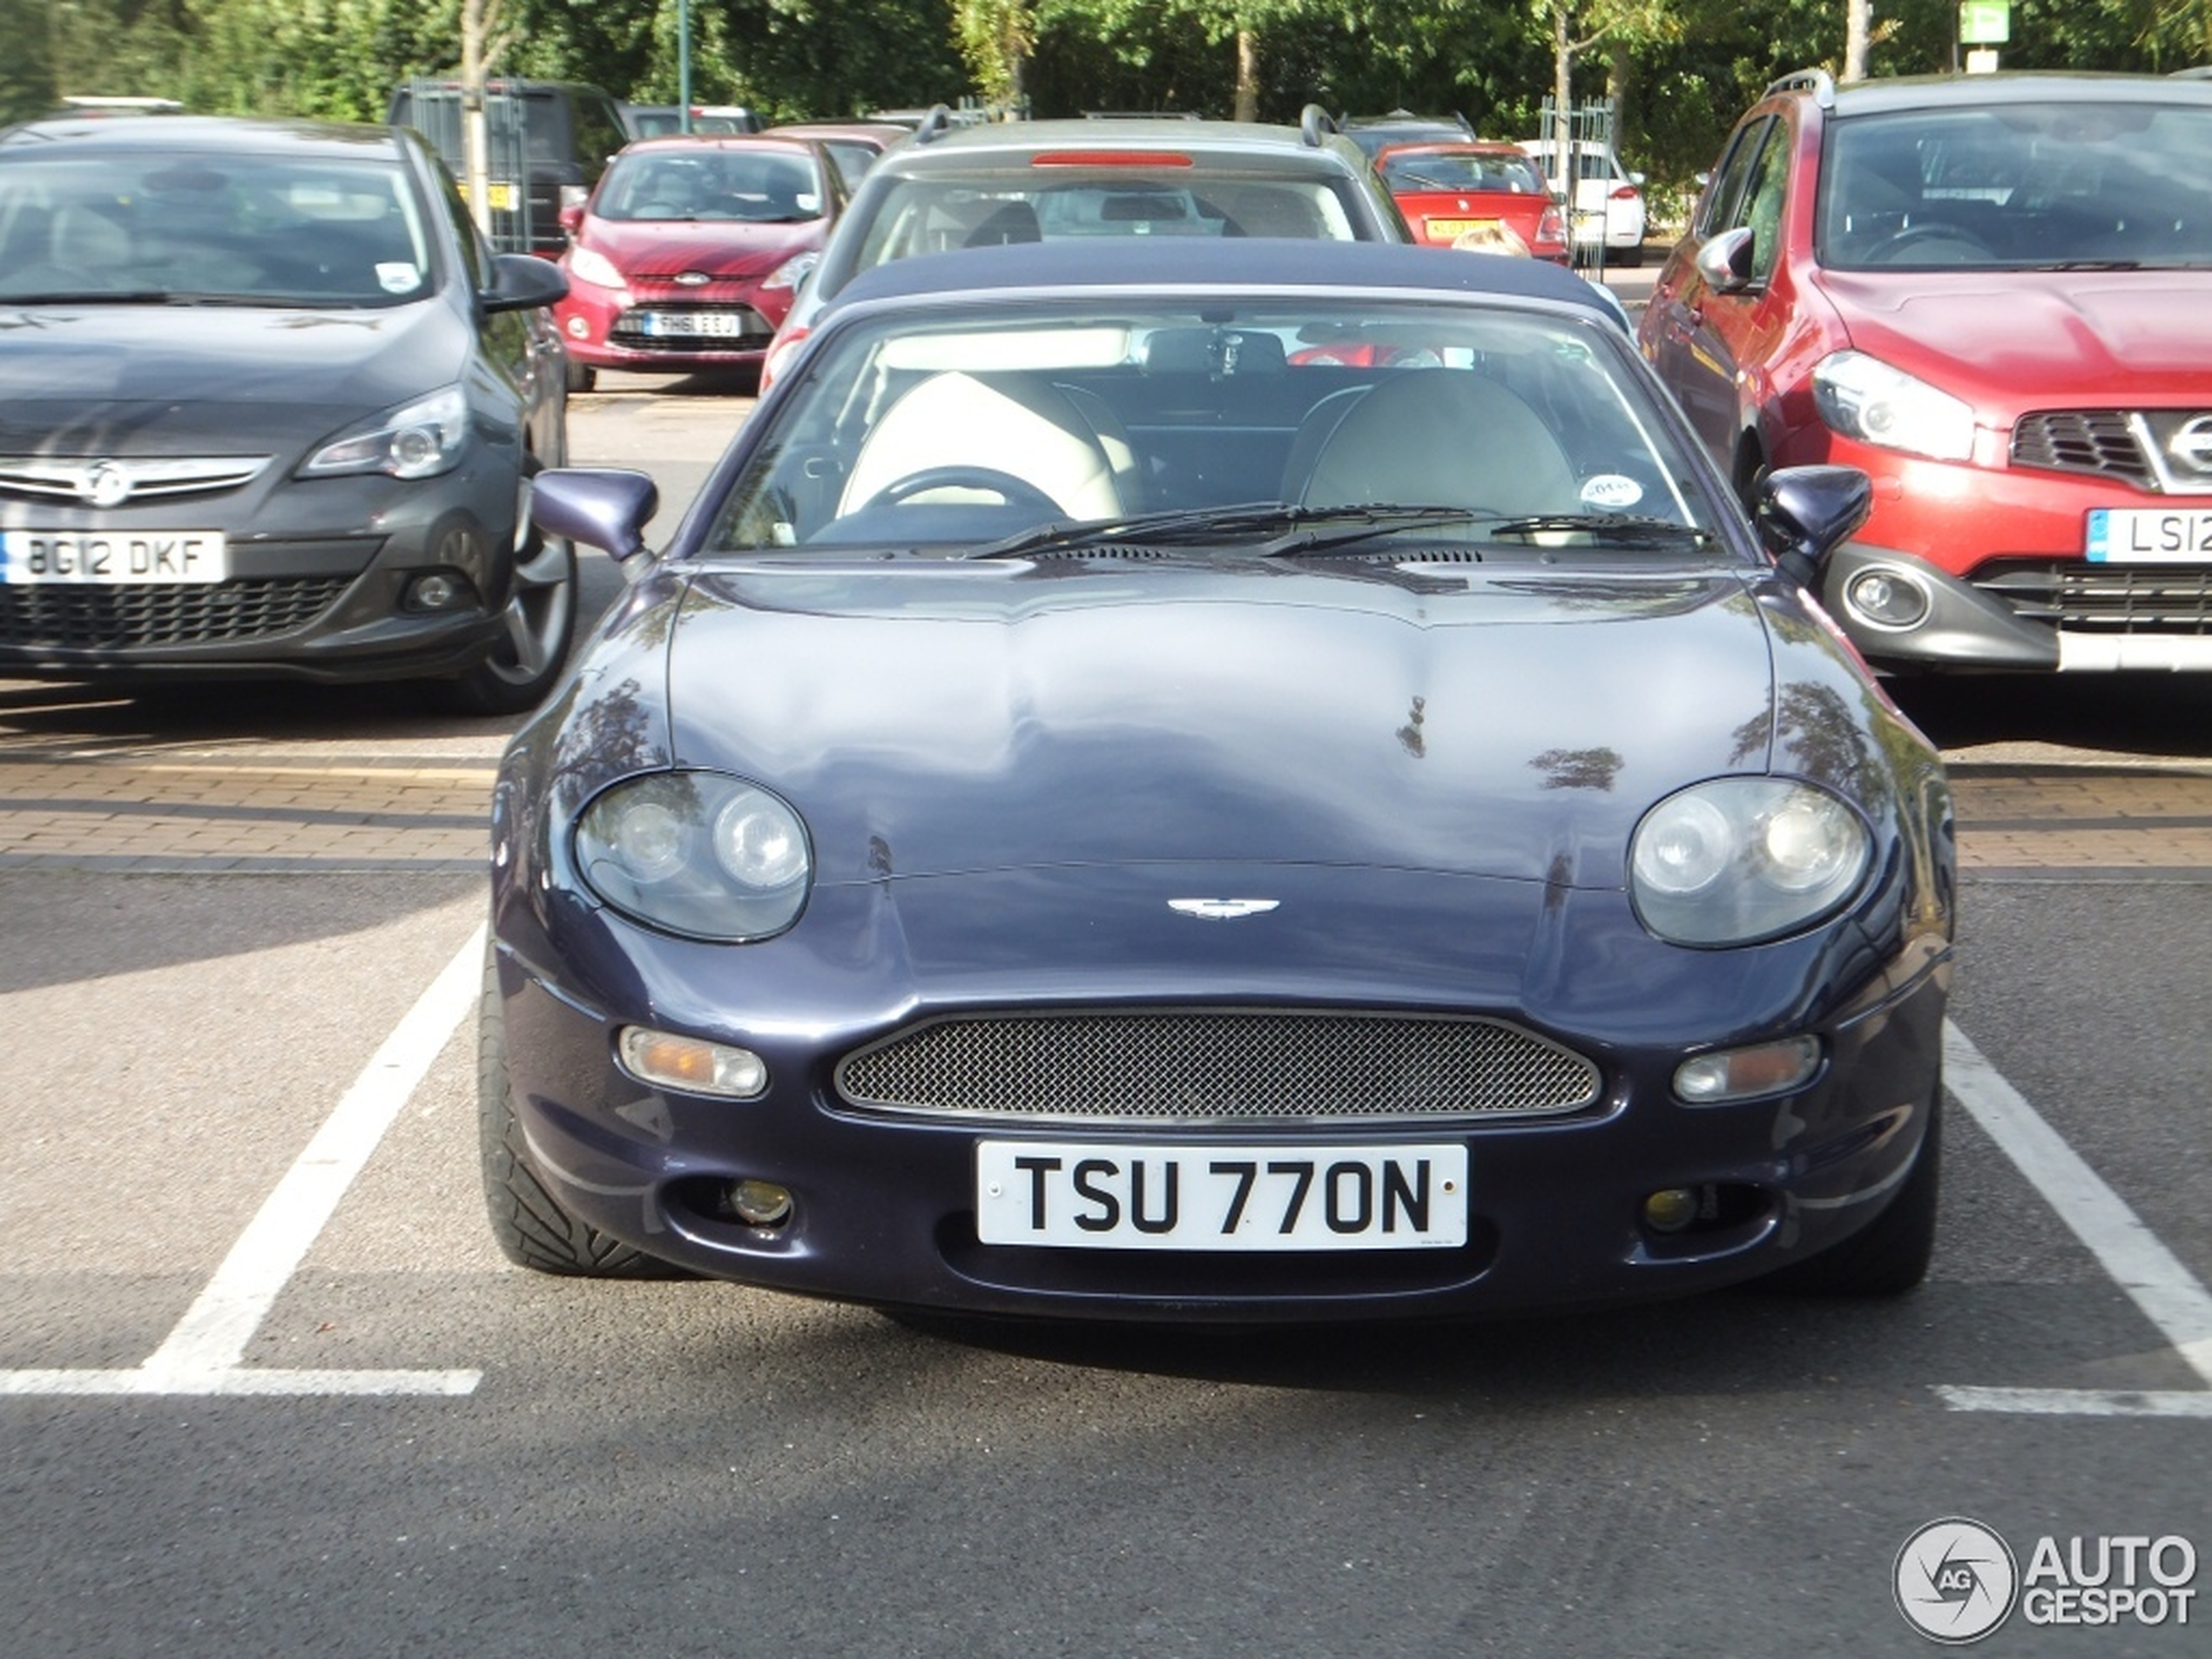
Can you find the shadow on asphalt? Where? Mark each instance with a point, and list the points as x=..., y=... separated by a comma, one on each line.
x=2155, y=716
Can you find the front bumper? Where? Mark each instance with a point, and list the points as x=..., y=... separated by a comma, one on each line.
x=884, y=1205
x=323, y=586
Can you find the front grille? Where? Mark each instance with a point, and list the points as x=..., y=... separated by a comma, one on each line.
x=50, y=478
x=2083, y=597
x=1217, y=1066
x=66, y=617
x=2099, y=441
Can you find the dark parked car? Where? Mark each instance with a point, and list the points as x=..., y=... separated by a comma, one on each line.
x=1376, y=133
x=1104, y=809
x=559, y=137
x=688, y=253
x=1990, y=293
x=271, y=408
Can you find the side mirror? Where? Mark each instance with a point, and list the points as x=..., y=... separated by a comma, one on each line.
x=1725, y=262
x=602, y=507
x=522, y=282
x=1803, y=514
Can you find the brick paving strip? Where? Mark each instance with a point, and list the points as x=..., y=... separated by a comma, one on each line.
x=220, y=814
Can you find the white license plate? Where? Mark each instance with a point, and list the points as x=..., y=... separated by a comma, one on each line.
x=693, y=325
x=2149, y=536
x=1082, y=1196
x=120, y=559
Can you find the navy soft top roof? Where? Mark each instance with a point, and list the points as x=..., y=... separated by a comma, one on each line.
x=1133, y=261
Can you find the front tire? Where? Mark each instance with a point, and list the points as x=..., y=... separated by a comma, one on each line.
x=532, y=1227
x=540, y=626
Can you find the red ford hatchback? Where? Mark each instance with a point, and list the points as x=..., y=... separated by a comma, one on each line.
x=1476, y=193
x=687, y=253
x=1994, y=293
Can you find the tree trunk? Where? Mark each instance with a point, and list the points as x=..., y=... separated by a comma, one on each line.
x=1859, y=16
x=1247, y=102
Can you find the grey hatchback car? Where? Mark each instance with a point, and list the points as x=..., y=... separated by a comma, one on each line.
x=270, y=409
x=954, y=187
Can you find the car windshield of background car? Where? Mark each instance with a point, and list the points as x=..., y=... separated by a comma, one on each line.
x=1513, y=175
x=975, y=423
x=759, y=188
x=931, y=216
x=2020, y=185
x=213, y=228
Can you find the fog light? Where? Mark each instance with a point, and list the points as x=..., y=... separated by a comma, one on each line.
x=1887, y=599
x=433, y=593
x=691, y=1064
x=1745, y=1074
x=760, y=1204
x=579, y=329
x=1670, y=1210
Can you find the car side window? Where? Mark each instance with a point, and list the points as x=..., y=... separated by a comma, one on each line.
x=476, y=262
x=1762, y=206
x=1727, y=189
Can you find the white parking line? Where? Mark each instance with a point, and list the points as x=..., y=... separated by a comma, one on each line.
x=204, y=1353
x=2169, y=1296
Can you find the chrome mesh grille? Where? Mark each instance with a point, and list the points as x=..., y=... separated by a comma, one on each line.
x=1216, y=1066
x=65, y=617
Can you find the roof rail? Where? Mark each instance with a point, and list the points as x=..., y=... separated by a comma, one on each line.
x=1818, y=82
x=1312, y=122
x=935, y=124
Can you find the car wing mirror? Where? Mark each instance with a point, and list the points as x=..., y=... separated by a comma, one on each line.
x=521, y=282
x=606, y=508
x=1725, y=262
x=1804, y=513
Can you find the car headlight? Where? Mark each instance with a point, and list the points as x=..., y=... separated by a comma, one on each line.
x=793, y=271
x=1740, y=860
x=420, y=440
x=588, y=265
x=698, y=853
x=1864, y=398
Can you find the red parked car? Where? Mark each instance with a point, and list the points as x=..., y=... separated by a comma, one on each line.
x=686, y=255
x=1465, y=194
x=1993, y=294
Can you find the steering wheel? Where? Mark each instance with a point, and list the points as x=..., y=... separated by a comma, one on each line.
x=1015, y=492
x=1890, y=247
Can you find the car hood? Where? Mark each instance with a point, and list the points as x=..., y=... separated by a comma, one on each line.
x=2016, y=340
x=713, y=248
x=929, y=717
x=141, y=378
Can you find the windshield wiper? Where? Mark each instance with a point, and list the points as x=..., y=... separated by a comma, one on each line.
x=1622, y=529
x=1196, y=526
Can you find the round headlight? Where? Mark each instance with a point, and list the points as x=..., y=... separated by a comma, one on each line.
x=697, y=853
x=1741, y=859
x=1685, y=846
x=759, y=841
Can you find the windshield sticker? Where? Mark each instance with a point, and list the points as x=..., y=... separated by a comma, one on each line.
x=1611, y=489
x=394, y=278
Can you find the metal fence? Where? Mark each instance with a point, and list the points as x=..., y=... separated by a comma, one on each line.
x=1590, y=132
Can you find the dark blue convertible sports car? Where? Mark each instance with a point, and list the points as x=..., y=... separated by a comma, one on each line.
x=1218, y=781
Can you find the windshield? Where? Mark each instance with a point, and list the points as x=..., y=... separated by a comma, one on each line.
x=929, y=215
x=761, y=185
x=242, y=228
x=1513, y=175
x=1316, y=419
x=2025, y=185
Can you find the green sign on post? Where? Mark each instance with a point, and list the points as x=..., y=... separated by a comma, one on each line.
x=1984, y=23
